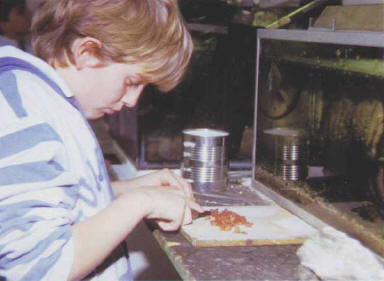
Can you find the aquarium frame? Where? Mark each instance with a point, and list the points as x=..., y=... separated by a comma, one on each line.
x=323, y=217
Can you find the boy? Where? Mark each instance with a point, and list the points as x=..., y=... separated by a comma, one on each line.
x=60, y=219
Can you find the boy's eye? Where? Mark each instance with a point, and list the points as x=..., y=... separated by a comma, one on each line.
x=133, y=85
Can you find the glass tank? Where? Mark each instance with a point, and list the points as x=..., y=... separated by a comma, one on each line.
x=319, y=138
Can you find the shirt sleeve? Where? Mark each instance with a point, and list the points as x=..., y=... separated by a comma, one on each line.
x=38, y=193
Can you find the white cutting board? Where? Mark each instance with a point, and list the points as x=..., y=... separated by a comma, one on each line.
x=271, y=225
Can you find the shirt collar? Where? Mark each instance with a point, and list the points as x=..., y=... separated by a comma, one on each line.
x=43, y=66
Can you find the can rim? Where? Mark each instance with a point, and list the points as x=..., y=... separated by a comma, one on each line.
x=285, y=132
x=205, y=132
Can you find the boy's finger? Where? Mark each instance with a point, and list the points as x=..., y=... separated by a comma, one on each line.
x=187, y=216
x=186, y=185
x=180, y=182
x=168, y=226
x=194, y=206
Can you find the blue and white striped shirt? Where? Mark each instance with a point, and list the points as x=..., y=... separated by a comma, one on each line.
x=52, y=175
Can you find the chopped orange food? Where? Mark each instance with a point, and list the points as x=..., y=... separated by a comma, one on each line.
x=228, y=220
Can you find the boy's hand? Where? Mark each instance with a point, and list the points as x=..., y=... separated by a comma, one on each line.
x=166, y=177
x=163, y=177
x=168, y=206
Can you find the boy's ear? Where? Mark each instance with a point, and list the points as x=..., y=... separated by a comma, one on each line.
x=84, y=52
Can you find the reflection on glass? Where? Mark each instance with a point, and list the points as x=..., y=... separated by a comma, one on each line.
x=320, y=121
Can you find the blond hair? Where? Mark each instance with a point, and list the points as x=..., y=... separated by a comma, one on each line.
x=151, y=33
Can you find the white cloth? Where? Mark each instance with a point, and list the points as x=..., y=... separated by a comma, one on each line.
x=333, y=255
x=52, y=175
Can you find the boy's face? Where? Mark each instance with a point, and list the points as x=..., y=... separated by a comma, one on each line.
x=106, y=89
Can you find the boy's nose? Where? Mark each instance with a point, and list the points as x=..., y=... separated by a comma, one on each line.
x=132, y=96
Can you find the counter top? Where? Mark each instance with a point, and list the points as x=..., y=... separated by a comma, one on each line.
x=263, y=262
x=277, y=262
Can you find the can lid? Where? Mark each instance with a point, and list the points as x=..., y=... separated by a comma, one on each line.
x=285, y=132
x=205, y=132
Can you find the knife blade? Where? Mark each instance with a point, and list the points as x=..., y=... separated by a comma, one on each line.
x=223, y=199
x=196, y=215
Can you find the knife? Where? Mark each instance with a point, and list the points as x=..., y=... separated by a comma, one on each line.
x=230, y=199
x=196, y=215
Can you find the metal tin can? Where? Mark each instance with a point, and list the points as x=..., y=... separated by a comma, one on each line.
x=205, y=159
